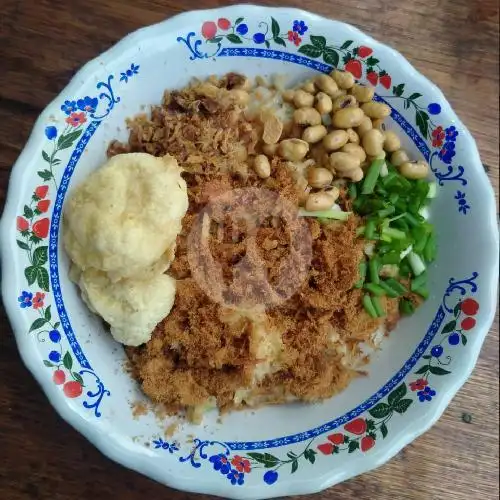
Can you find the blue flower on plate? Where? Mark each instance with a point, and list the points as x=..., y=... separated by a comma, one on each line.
x=171, y=448
x=434, y=108
x=133, y=70
x=436, y=351
x=236, y=478
x=68, y=107
x=242, y=29
x=25, y=299
x=451, y=133
x=300, y=27
x=259, y=38
x=220, y=463
x=270, y=477
x=463, y=206
x=447, y=152
x=454, y=338
x=50, y=132
x=426, y=394
x=87, y=104
x=54, y=356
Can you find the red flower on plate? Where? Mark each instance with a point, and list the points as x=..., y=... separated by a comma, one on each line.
x=38, y=300
x=43, y=205
x=438, y=136
x=72, y=389
x=418, y=385
x=294, y=37
x=76, y=119
x=241, y=464
x=41, y=192
x=59, y=377
x=209, y=29
x=22, y=224
x=41, y=228
x=469, y=307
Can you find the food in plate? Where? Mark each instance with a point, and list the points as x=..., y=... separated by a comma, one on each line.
x=304, y=240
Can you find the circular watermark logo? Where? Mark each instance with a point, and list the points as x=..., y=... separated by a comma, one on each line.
x=248, y=248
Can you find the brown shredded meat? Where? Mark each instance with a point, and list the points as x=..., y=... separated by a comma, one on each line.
x=206, y=349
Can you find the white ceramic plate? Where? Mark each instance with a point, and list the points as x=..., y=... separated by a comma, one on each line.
x=275, y=451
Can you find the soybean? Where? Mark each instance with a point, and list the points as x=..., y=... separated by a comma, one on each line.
x=344, y=101
x=262, y=166
x=376, y=109
x=309, y=87
x=319, y=201
x=303, y=99
x=348, y=118
x=372, y=142
x=319, y=177
x=288, y=95
x=306, y=116
x=355, y=150
x=335, y=140
x=344, y=79
x=314, y=134
x=362, y=93
x=324, y=103
x=391, y=142
x=327, y=84
x=364, y=126
x=293, y=149
x=342, y=162
x=355, y=174
x=353, y=136
x=414, y=170
x=399, y=157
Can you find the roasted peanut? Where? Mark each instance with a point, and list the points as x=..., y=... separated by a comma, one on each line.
x=293, y=149
x=324, y=103
x=391, y=141
x=307, y=116
x=362, y=93
x=372, y=142
x=319, y=201
x=344, y=79
x=342, y=162
x=334, y=192
x=364, y=126
x=344, y=101
x=376, y=110
x=309, y=87
x=347, y=117
x=414, y=170
x=303, y=99
x=355, y=150
x=273, y=128
x=326, y=84
x=355, y=175
x=319, y=177
x=335, y=140
x=262, y=166
x=399, y=157
x=239, y=97
x=352, y=136
x=288, y=95
x=314, y=134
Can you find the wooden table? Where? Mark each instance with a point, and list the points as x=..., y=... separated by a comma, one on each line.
x=42, y=43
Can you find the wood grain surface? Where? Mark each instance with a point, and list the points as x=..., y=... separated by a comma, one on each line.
x=42, y=44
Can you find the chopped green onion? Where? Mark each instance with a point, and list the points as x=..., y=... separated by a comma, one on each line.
x=412, y=220
x=389, y=271
x=432, y=193
x=393, y=233
x=393, y=197
x=360, y=230
x=391, y=258
x=372, y=176
x=396, y=285
x=368, y=305
x=375, y=289
x=385, y=212
x=378, y=307
x=430, y=248
x=420, y=243
x=423, y=292
x=406, y=307
x=353, y=191
x=370, y=229
x=325, y=214
x=362, y=274
x=390, y=292
x=418, y=282
x=416, y=263
x=373, y=269
x=384, y=170
x=424, y=213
